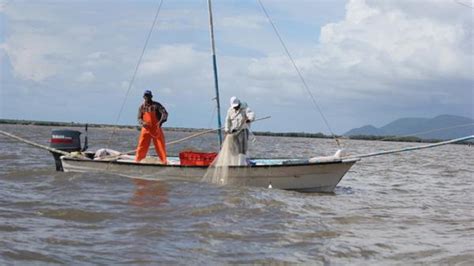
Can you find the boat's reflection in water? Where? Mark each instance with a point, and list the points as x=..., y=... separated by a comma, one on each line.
x=149, y=193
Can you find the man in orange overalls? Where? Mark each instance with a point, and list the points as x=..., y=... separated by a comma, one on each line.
x=151, y=115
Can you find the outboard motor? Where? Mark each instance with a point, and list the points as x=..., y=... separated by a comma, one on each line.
x=65, y=140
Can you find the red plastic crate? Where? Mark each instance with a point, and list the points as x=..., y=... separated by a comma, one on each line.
x=197, y=158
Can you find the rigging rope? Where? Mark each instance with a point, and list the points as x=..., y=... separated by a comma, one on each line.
x=305, y=85
x=136, y=69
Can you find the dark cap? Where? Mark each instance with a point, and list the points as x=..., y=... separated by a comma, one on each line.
x=148, y=93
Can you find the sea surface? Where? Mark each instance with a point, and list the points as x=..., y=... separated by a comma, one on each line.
x=409, y=208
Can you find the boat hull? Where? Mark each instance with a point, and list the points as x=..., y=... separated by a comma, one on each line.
x=307, y=177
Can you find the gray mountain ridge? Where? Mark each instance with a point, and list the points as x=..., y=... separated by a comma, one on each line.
x=440, y=127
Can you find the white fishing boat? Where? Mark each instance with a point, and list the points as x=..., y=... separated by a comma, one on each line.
x=288, y=174
x=317, y=174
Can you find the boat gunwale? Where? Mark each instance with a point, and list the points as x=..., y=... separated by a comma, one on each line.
x=296, y=164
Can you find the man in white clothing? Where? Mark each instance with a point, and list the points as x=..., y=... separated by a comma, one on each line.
x=237, y=122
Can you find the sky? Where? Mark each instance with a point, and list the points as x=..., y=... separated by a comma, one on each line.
x=364, y=61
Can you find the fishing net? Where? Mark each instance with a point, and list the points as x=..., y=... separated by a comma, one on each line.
x=218, y=171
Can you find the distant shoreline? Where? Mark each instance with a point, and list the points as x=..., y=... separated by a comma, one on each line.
x=264, y=133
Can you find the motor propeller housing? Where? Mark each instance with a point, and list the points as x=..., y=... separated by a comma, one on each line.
x=65, y=140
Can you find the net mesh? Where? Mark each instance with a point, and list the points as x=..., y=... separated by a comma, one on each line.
x=218, y=171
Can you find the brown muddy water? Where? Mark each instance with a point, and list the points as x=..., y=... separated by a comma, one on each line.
x=412, y=208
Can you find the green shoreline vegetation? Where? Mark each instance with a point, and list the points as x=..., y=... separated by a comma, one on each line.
x=261, y=133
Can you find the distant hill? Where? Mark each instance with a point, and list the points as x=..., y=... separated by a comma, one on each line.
x=440, y=127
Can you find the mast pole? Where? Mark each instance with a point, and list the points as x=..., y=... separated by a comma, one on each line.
x=216, y=82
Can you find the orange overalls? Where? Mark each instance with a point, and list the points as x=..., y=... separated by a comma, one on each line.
x=153, y=132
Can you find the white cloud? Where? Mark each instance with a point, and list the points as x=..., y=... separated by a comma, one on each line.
x=389, y=44
x=40, y=45
x=49, y=40
x=98, y=59
x=96, y=55
x=40, y=54
x=271, y=67
x=124, y=84
x=181, y=19
x=86, y=77
x=244, y=22
x=19, y=11
x=177, y=69
x=165, y=90
x=34, y=56
x=381, y=46
x=169, y=59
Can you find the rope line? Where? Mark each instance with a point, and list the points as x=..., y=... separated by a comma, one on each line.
x=136, y=69
x=305, y=85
